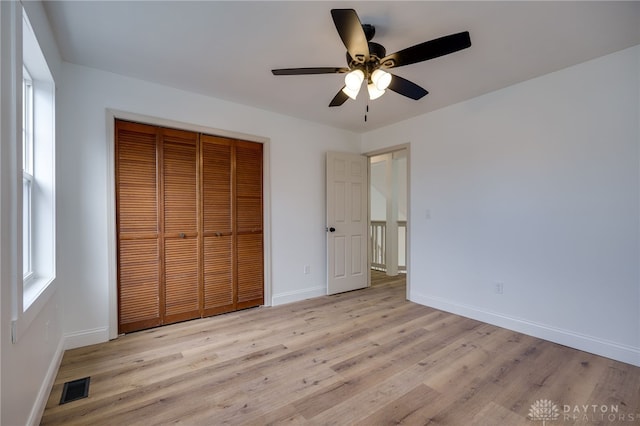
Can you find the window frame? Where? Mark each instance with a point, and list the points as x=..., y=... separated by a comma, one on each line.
x=28, y=180
x=39, y=182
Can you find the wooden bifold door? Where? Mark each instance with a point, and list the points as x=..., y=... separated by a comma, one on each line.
x=189, y=225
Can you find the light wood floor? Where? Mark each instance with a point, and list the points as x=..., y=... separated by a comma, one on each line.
x=366, y=357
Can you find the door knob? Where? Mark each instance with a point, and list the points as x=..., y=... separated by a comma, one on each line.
x=181, y=235
x=332, y=229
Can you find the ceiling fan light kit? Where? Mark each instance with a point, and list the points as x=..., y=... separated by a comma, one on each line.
x=354, y=79
x=352, y=93
x=367, y=60
x=374, y=92
x=381, y=79
x=376, y=85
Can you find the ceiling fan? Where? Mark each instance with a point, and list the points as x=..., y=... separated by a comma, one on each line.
x=367, y=60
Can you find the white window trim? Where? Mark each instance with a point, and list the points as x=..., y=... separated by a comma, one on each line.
x=34, y=291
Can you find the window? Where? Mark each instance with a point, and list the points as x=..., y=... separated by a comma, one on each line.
x=33, y=204
x=38, y=170
x=27, y=173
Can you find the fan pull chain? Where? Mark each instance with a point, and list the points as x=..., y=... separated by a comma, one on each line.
x=365, y=114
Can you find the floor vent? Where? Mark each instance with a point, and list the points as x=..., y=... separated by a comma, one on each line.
x=75, y=389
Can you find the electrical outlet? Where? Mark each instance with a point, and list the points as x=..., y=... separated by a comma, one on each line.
x=499, y=288
x=307, y=269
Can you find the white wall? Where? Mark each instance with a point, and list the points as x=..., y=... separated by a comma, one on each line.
x=297, y=152
x=535, y=186
x=29, y=365
x=378, y=183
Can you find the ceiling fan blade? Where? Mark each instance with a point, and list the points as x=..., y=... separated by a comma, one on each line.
x=351, y=32
x=307, y=71
x=427, y=50
x=339, y=99
x=406, y=88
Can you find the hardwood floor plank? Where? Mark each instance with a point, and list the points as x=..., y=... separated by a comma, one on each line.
x=507, y=378
x=403, y=409
x=494, y=414
x=366, y=357
x=619, y=385
x=368, y=399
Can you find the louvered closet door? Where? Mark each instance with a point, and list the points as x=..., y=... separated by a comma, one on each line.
x=217, y=228
x=139, y=267
x=180, y=225
x=189, y=221
x=248, y=213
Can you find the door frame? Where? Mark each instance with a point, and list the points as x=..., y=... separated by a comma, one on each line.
x=112, y=269
x=389, y=150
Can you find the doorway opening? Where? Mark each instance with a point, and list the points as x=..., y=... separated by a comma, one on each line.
x=388, y=211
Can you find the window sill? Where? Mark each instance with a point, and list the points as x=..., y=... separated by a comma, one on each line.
x=36, y=295
x=33, y=289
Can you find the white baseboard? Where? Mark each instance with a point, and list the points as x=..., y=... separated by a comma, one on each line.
x=86, y=337
x=45, y=389
x=298, y=295
x=602, y=347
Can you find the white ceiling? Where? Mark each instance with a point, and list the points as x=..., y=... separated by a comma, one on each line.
x=227, y=49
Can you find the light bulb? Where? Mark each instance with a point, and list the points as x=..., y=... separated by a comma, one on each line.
x=381, y=79
x=354, y=79
x=351, y=93
x=374, y=92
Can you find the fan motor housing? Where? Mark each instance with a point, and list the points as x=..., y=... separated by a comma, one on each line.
x=369, y=31
x=376, y=52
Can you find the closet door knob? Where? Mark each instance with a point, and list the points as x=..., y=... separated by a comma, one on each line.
x=182, y=235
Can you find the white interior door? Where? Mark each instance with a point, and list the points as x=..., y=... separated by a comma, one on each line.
x=347, y=222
